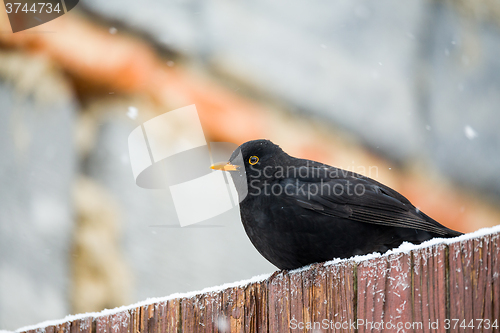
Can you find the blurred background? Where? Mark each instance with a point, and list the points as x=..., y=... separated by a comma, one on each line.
x=406, y=93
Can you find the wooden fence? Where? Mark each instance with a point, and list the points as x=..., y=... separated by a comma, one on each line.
x=451, y=287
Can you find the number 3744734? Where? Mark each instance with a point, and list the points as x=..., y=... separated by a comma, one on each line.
x=38, y=7
x=476, y=324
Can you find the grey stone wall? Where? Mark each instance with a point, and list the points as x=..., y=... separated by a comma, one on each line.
x=462, y=99
x=407, y=78
x=37, y=167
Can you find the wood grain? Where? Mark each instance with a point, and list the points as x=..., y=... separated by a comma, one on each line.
x=279, y=302
x=371, y=293
x=255, y=309
x=438, y=289
x=297, y=304
x=342, y=296
x=495, y=273
x=430, y=287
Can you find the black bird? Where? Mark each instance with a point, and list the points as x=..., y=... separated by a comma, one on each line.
x=297, y=212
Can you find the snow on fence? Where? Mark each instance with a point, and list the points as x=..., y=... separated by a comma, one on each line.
x=441, y=286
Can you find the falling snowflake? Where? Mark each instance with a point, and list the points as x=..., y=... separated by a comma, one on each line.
x=132, y=112
x=470, y=133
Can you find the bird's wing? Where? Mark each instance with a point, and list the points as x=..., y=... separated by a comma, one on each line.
x=348, y=195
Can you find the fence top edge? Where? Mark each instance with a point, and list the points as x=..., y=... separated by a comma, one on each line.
x=405, y=248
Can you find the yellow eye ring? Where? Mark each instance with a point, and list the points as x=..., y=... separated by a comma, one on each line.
x=253, y=160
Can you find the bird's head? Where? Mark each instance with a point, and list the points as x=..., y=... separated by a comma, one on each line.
x=252, y=165
x=256, y=158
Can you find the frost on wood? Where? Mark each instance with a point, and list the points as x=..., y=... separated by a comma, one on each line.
x=444, y=278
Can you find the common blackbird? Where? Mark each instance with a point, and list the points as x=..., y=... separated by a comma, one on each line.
x=297, y=212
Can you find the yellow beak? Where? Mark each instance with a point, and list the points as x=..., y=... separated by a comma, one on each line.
x=225, y=166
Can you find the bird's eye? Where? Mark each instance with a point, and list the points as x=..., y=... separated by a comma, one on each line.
x=253, y=160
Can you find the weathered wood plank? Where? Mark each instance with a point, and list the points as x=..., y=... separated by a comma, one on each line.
x=256, y=308
x=342, y=297
x=384, y=295
x=461, y=271
x=119, y=322
x=213, y=312
x=199, y=312
x=279, y=302
x=51, y=328
x=101, y=325
x=160, y=314
x=429, y=288
x=320, y=313
x=83, y=325
x=74, y=327
x=371, y=282
x=187, y=315
x=234, y=311
x=296, y=301
x=398, y=302
x=481, y=281
x=495, y=276
x=308, y=298
x=173, y=316
x=454, y=288
x=134, y=317
x=148, y=319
